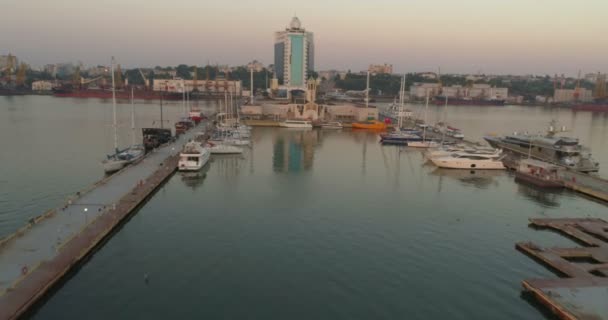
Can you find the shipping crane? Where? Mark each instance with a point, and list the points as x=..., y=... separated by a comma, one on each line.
x=577, y=89
x=144, y=78
x=600, y=87
x=195, y=79
x=21, y=72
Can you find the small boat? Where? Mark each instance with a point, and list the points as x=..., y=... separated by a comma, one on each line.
x=539, y=173
x=332, y=125
x=454, y=133
x=423, y=144
x=370, y=125
x=195, y=115
x=303, y=124
x=193, y=157
x=220, y=148
x=469, y=161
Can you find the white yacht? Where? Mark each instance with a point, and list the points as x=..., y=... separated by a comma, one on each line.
x=332, y=125
x=296, y=124
x=220, y=148
x=193, y=157
x=462, y=160
x=449, y=150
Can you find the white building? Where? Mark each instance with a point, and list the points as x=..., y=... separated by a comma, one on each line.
x=42, y=86
x=294, y=55
x=486, y=91
x=206, y=86
x=380, y=68
x=420, y=90
x=568, y=95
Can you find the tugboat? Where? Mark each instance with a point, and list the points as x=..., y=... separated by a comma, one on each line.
x=539, y=173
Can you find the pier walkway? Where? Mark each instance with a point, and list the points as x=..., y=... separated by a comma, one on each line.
x=39, y=254
x=583, y=292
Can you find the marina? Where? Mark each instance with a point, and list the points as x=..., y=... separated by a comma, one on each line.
x=280, y=153
x=38, y=255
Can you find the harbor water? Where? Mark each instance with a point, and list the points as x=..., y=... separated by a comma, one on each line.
x=314, y=224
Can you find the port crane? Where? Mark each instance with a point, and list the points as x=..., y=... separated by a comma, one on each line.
x=146, y=84
x=577, y=89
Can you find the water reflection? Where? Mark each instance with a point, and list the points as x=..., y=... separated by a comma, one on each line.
x=196, y=178
x=229, y=166
x=543, y=196
x=481, y=179
x=293, y=150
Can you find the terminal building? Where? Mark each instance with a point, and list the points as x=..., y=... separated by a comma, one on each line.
x=294, y=55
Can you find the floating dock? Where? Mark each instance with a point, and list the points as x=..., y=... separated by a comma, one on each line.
x=583, y=292
x=37, y=256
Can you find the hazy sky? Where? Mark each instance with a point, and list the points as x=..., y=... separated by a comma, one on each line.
x=491, y=36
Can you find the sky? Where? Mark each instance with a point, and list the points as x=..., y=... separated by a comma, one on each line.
x=464, y=36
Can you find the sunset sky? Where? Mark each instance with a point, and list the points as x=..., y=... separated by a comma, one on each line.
x=467, y=36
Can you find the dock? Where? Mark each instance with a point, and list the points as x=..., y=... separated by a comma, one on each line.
x=39, y=255
x=582, y=292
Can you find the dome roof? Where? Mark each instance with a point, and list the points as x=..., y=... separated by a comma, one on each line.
x=295, y=23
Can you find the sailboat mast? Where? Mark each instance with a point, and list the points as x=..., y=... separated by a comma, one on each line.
x=132, y=118
x=426, y=107
x=367, y=91
x=251, y=85
x=114, y=107
x=445, y=119
x=184, y=97
x=401, y=98
x=161, y=108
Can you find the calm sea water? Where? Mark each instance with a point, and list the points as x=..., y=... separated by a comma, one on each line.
x=306, y=225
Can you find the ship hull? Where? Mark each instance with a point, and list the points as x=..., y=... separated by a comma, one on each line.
x=591, y=107
x=440, y=101
x=107, y=94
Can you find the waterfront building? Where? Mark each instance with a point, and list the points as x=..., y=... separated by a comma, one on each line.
x=42, y=86
x=486, y=91
x=420, y=90
x=204, y=86
x=568, y=95
x=375, y=69
x=294, y=55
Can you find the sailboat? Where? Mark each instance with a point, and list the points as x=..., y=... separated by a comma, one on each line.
x=120, y=158
x=401, y=136
x=369, y=124
x=424, y=143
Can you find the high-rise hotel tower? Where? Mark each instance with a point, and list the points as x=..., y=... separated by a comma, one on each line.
x=294, y=55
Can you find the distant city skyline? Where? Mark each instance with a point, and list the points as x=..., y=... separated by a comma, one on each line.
x=475, y=36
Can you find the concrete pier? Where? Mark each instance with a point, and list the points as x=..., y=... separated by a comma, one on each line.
x=583, y=292
x=38, y=255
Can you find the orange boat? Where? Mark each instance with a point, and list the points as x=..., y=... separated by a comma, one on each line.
x=370, y=125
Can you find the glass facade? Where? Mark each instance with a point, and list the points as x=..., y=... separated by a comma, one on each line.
x=279, y=60
x=297, y=60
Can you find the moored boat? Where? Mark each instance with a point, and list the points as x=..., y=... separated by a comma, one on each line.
x=539, y=173
x=331, y=125
x=469, y=161
x=193, y=157
x=302, y=124
x=370, y=125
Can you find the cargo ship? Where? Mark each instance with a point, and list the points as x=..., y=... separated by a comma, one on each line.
x=599, y=105
x=440, y=100
x=68, y=92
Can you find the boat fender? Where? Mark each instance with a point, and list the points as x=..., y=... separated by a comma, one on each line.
x=24, y=270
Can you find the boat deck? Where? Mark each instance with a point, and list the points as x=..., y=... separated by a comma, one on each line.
x=583, y=293
x=39, y=254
